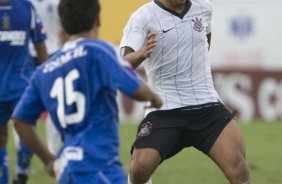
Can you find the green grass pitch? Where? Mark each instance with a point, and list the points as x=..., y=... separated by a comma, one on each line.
x=264, y=154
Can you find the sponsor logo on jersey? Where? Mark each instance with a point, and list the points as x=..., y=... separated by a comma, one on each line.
x=145, y=129
x=198, y=25
x=16, y=38
x=165, y=31
x=6, y=22
x=6, y=7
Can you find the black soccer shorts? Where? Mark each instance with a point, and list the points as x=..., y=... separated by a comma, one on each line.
x=169, y=131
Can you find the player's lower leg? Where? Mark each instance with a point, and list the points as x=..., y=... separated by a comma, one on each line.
x=24, y=156
x=3, y=154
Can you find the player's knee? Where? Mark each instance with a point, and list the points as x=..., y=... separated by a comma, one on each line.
x=239, y=162
x=239, y=169
x=140, y=171
x=241, y=165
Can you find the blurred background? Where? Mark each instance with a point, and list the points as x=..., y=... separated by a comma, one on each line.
x=246, y=60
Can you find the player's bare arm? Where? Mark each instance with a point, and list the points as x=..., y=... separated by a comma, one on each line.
x=144, y=93
x=41, y=51
x=30, y=137
x=135, y=58
x=209, y=39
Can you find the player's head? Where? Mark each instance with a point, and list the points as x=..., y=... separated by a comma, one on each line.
x=78, y=16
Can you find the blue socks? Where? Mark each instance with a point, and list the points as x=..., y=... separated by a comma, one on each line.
x=3, y=166
x=24, y=156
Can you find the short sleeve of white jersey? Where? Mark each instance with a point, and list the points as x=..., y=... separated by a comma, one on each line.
x=134, y=33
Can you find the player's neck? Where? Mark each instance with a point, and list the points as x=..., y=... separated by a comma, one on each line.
x=92, y=34
x=173, y=6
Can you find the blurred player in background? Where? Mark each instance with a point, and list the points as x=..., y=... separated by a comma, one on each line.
x=171, y=39
x=47, y=10
x=19, y=25
x=78, y=88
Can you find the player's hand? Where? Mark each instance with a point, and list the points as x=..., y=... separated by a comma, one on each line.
x=50, y=168
x=149, y=45
x=156, y=102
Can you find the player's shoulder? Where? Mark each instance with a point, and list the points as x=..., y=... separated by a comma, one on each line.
x=202, y=3
x=144, y=13
x=37, y=73
x=97, y=45
x=26, y=3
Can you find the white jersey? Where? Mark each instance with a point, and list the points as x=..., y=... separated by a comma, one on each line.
x=178, y=69
x=47, y=10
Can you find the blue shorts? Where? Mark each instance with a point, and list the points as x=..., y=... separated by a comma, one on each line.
x=6, y=110
x=113, y=174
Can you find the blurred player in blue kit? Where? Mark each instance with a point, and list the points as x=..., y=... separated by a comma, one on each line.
x=78, y=88
x=19, y=25
x=48, y=14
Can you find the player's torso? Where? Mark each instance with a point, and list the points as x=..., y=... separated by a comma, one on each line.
x=67, y=74
x=15, y=25
x=75, y=101
x=15, y=60
x=179, y=68
x=48, y=12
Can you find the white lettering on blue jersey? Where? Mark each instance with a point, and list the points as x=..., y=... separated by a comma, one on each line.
x=69, y=153
x=71, y=97
x=65, y=58
x=16, y=38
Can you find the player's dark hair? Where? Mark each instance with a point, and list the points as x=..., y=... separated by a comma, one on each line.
x=78, y=16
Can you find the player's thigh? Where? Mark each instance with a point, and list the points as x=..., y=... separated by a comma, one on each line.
x=229, y=148
x=160, y=144
x=159, y=137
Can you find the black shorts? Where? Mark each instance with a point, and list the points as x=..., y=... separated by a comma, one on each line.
x=169, y=131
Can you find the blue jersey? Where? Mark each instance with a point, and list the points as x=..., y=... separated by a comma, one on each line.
x=78, y=87
x=18, y=25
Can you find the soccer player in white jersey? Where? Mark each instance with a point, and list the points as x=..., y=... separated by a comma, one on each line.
x=171, y=39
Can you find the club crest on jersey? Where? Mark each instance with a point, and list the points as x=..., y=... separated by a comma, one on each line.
x=6, y=22
x=198, y=25
x=145, y=129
